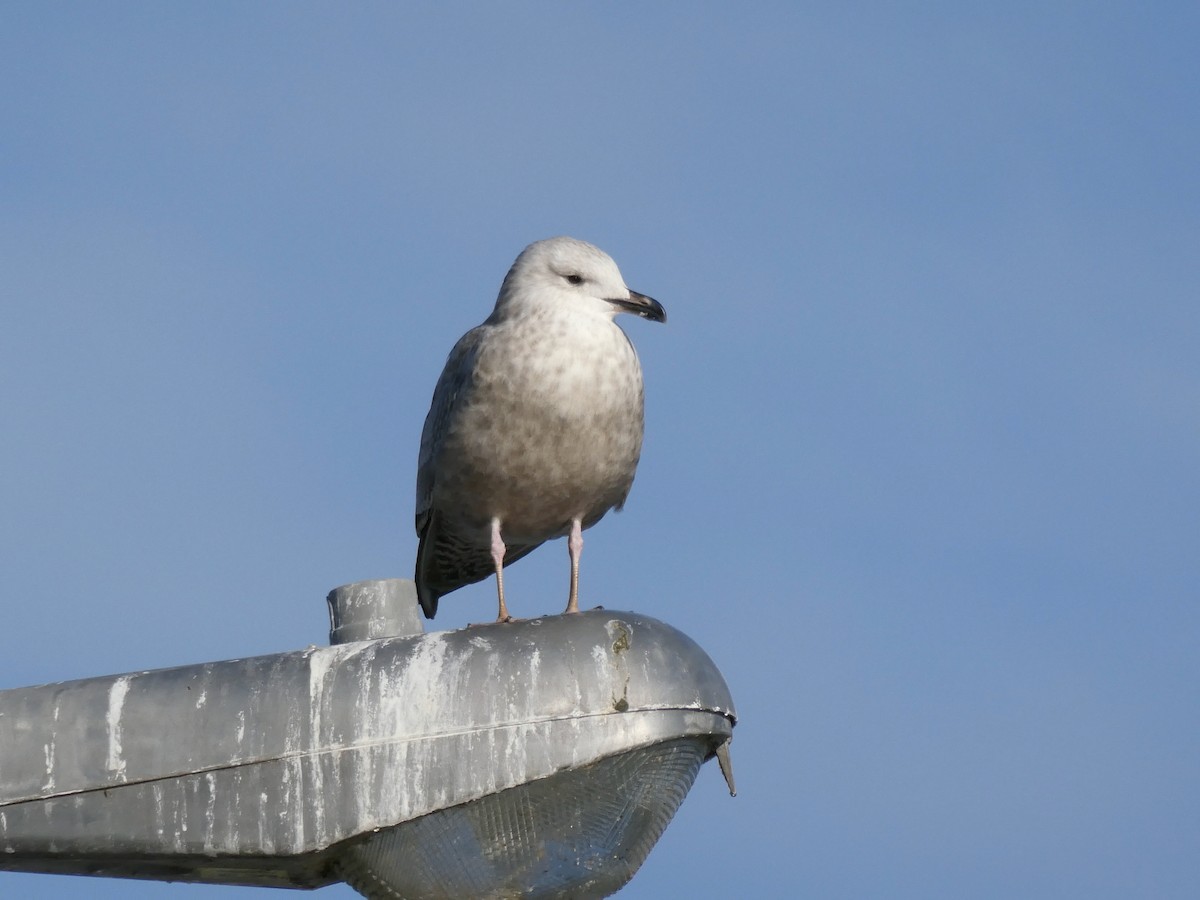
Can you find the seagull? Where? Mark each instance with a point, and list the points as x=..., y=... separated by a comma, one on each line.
x=535, y=429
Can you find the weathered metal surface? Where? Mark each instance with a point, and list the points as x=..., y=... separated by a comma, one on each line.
x=370, y=610
x=250, y=771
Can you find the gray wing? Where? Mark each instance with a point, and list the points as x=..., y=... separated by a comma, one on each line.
x=455, y=378
x=440, y=558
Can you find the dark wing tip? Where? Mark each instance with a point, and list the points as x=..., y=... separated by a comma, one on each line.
x=429, y=602
x=426, y=595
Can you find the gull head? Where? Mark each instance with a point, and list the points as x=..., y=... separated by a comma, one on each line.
x=562, y=271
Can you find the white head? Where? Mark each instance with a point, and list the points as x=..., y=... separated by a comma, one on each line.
x=563, y=270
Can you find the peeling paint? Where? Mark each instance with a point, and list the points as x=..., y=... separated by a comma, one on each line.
x=621, y=634
x=48, y=751
x=600, y=657
x=210, y=809
x=116, y=703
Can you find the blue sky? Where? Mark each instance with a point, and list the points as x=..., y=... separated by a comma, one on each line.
x=922, y=430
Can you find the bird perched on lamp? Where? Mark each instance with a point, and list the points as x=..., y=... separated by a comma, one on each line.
x=536, y=423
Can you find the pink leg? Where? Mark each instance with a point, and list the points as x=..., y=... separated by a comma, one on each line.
x=575, y=548
x=498, y=561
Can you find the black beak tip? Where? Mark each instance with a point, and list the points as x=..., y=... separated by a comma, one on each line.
x=646, y=307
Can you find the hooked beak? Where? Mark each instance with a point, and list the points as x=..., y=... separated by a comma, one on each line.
x=641, y=305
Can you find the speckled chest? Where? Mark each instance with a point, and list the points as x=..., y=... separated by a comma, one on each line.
x=550, y=423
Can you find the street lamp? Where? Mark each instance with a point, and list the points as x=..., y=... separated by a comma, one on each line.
x=540, y=758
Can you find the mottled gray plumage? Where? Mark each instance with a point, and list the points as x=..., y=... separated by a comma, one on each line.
x=536, y=423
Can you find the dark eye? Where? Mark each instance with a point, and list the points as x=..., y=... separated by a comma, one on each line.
x=575, y=279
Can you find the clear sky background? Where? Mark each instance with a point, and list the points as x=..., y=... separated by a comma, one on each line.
x=920, y=469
